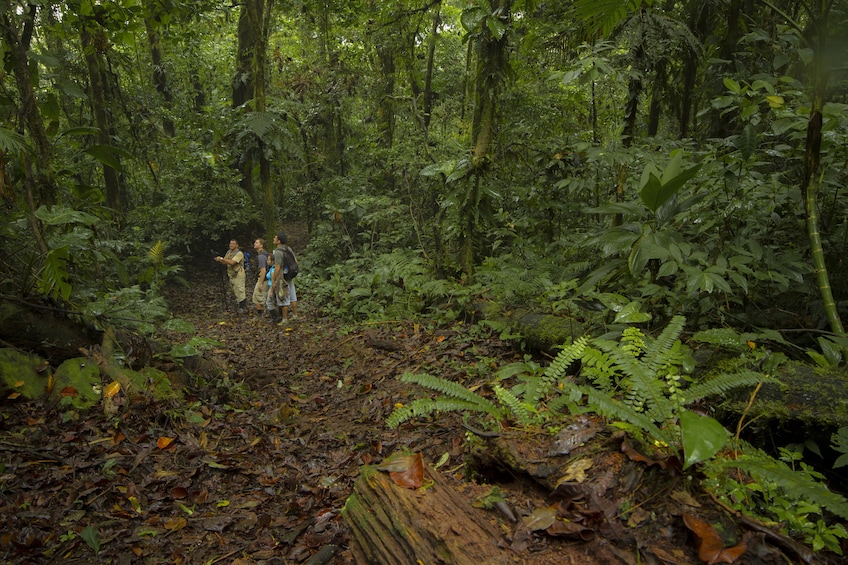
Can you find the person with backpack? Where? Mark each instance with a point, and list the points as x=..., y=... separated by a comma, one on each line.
x=283, y=279
x=260, y=290
x=234, y=260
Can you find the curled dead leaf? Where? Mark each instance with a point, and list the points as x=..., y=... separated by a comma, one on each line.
x=406, y=471
x=711, y=548
x=112, y=389
x=164, y=442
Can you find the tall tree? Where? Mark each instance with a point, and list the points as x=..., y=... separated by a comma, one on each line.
x=153, y=23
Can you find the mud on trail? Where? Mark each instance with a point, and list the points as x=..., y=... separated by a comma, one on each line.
x=255, y=465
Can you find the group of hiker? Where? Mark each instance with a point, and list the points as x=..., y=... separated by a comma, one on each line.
x=274, y=290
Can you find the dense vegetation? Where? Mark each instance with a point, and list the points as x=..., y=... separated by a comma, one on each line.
x=615, y=162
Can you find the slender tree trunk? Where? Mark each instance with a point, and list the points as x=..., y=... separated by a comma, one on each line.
x=92, y=48
x=431, y=57
x=812, y=177
x=42, y=182
x=160, y=77
x=260, y=17
x=244, y=79
x=489, y=77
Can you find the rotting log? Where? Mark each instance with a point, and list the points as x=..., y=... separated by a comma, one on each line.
x=42, y=329
x=432, y=524
x=541, y=332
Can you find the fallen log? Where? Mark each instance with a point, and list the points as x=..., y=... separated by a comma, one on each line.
x=432, y=524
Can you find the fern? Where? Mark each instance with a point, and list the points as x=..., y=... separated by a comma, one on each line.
x=457, y=397
x=536, y=388
x=427, y=406
x=661, y=353
x=798, y=485
x=524, y=412
x=611, y=408
x=722, y=383
x=157, y=252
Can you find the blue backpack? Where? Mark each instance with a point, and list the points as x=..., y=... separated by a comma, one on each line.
x=246, y=261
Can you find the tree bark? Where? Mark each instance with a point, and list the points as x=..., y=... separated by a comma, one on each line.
x=160, y=77
x=433, y=524
x=18, y=46
x=93, y=46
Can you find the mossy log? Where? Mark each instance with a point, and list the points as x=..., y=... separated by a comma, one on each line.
x=433, y=524
x=804, y=403
x=43, y=330
x=540, y=332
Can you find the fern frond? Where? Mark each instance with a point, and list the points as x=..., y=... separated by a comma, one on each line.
x=426, y=406
x=644, y=387
x=721, y=384
x=799, y=485
x=598, y=368
x=611, y=408
x=453, y=390
x=157, y=252
x=570, y=353
x=660, y=352
x=524, y=412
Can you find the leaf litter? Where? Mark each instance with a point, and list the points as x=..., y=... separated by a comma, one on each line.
x=255, y=465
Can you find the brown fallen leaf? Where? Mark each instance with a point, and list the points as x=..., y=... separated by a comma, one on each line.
x=711, y=548
x=413, y=476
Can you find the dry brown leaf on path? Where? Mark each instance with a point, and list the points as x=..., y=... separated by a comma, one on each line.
x=406, y=471
x=710, y=545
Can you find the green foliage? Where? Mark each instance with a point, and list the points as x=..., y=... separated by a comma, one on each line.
x=794, y=497
x=455, y=398
x=839, y=442
x=54, y=281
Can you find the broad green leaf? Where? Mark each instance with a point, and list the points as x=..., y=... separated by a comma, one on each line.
x=732, y=85
x=60, y=215
x=55, y=277
x=702, y=437
x=631, y=314
x=92, y=538
x=108, y=155
x=746, y=141
x=496, y=27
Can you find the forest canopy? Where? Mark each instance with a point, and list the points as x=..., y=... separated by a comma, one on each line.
x=625, y=162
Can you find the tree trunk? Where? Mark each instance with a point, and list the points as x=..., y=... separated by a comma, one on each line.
x=812, y=176
x=260, y=16
x=93, y=46
x=160, y=77
x=489, y=78
x=244, y=79
x=18, y=45
x=394, y=525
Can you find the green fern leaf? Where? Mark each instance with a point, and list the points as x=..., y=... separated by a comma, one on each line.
x=523, y=412
x=722, y=383
x=800, y=486
x=425, y=407
x=453, y=390
x=660, y=351
x=157, y=252
x=54, y=280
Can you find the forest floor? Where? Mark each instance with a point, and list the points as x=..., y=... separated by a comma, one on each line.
x=255, y=466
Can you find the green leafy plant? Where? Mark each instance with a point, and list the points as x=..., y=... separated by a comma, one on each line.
x=785, y=491
x=839, y=442
x=639, y=381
